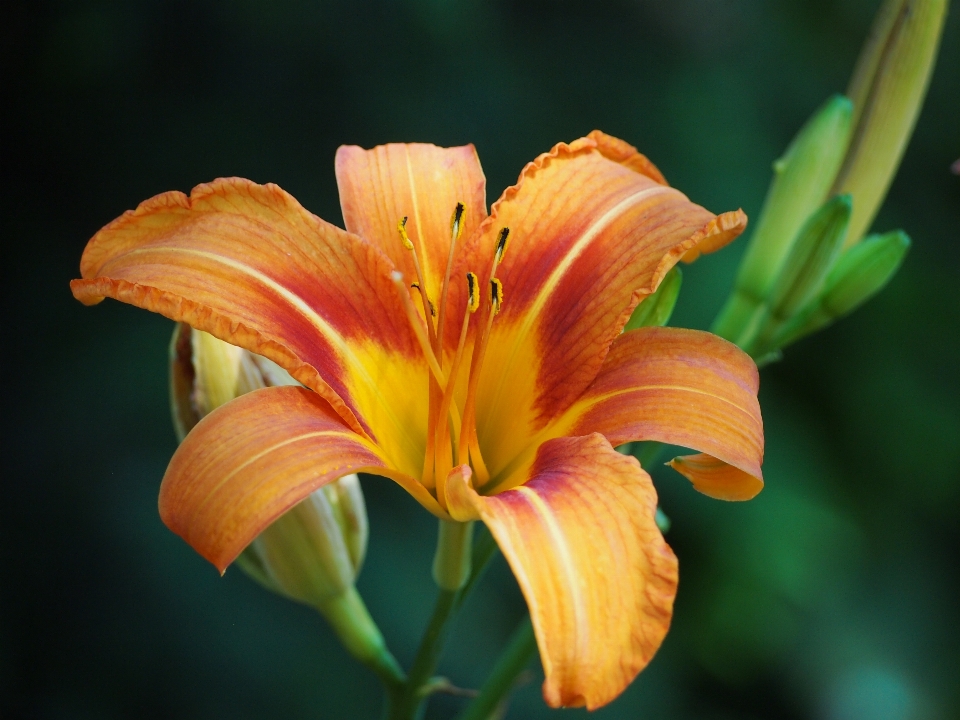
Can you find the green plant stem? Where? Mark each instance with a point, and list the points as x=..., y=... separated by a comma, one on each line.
x=408, y=701
x=517, y=655
x=408, y=704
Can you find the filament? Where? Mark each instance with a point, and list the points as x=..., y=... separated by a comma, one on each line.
x=417, y=323
x=456, y=230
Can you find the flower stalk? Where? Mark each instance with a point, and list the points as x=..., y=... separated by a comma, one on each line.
x=520, y=650
x=349, y=618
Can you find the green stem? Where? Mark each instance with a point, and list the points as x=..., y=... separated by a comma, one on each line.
x=517, y=655
x=409, y=704
x=452, y=571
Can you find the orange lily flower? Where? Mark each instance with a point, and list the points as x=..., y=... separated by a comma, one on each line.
x=479, y=362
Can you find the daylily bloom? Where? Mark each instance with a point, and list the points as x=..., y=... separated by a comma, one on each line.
x=477, y=361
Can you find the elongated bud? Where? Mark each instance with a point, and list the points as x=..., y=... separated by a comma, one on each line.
x=860, y=273
x=887, y=90
x=802, y=178
x=817, y=248
x=864, y=270
x=315, y=550
x=206, y=372
x=656, y=309
x=805, y=270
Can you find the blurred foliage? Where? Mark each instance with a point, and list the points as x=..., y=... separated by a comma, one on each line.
x=832, y=595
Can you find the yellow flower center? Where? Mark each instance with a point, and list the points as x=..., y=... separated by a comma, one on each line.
x=451, y=440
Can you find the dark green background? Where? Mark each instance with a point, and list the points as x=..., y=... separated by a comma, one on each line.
x=832, y=595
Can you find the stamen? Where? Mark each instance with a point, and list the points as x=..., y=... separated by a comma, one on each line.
x=502, y=244
x=456, y=230
x=418, y=327
x=473, y=298
x=420, y=284
x=456, y=222
x=496, y=295
x=402, y=227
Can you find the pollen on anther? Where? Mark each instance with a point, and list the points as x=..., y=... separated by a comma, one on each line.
x=496, y=294
x=502, y=243
x=456, y=222
x=402, y=227
x=473, y=298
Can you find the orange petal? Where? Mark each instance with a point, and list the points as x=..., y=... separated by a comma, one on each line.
x=251, y=460
x=597, y=575
x=626, y=154
x=589, y=239
x=248, y=264
x=720, y=232
x=715, y=478
x=682, y=387
x=423, y=183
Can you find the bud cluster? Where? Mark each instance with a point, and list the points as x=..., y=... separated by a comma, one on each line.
x=807, y=263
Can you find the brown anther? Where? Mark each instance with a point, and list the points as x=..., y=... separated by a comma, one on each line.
x=456, y=222
x=496, y=294
x=402, y=227
x=502, y=243
x=473, y=298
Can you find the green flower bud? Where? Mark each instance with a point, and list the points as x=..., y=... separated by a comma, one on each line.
x=206, y=372
x=887, y=90
x=802, y=179
x=802, y=276
x=314, y=551
x=655, y=310
x=859, y=274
